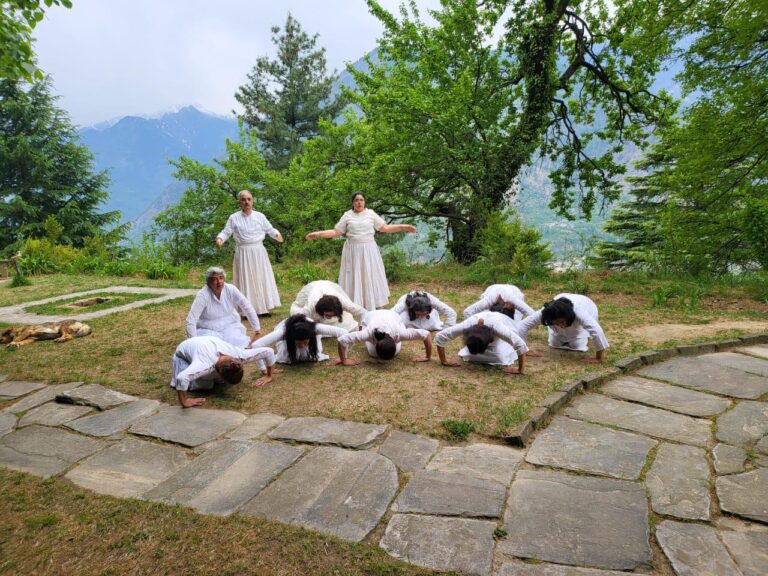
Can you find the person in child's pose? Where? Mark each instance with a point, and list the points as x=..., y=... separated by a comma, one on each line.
x=297, y=339
x=507, y=295
x=570, y=319
x=420, y=309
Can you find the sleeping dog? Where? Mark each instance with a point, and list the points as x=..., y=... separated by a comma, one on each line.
x=56, y=331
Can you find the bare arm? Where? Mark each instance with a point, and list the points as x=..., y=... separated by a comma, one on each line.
x=427, y=349
x=323, y=234
x=267, y=378
x=599, y=357
x=187, y=402
x=516, y=369
x=342, y=359
x=443, y=360
x=395, y=228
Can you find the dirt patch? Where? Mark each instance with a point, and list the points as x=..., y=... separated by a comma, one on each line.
x=659, y=333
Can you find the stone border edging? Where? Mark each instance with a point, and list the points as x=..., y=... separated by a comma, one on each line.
x=520, y=435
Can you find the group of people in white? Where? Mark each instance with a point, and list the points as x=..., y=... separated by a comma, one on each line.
x=494, y=329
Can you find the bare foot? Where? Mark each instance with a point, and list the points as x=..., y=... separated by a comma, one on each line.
x=512, y=370
x=192, y=402
x=422, y=359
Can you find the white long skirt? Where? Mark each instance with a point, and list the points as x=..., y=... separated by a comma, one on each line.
x=233, y=333
x=362, y=275
x=252, y=274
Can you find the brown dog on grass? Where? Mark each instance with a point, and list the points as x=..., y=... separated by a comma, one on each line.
x=56, y=331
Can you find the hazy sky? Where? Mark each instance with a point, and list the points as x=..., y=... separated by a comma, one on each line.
x=111, y=58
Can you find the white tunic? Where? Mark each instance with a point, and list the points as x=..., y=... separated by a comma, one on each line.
x=384, y=321
x=361, y=274
x=307, y=298
x=212, y=316
x=508, y=293
x=575, y=336
x=433, y=321
x=194, y=362
x=251, y=270
x=277, y=338
x=503, y=349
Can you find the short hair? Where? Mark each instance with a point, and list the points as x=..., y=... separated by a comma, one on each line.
x=330, y=303
x=562, y=308
x=477, y=338
x=214, y=270
x=298, y=327
x=230, y=371
x=506, y=309
x=386, y=347
x=418, y=302
x=239, y=194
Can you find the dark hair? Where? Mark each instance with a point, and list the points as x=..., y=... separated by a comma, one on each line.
x=386, y=347
x=297, y=327
x=506, y=309
x=230, y=371
x=477, y=338
x=355, y=195
x=562, y=308
x=329, y=303
x=418, y=302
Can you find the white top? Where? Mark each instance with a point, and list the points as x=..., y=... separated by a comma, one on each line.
x=506, y=293
x=307, y=298
x=302, y=354
x=359, y=226
x=586, y=318
x=433, y=321
x=247, y=229
x=383, y=321
x=213, y=313
x=503, y=327
x=202, y=353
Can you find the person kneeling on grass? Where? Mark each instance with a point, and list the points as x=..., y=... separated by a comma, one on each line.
x=203, y=361
x=489, y=338
x=297, y=339
x=382, y=331
x=419, y=309
x=570, y=319
x=326, y=302
x=504, y=295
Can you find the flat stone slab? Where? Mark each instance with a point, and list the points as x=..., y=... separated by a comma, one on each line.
x=749, y=547
x=666, y=396
x=255, y=425
x=317, y=430
x=728, y=459
x=638, y=418
x=44, y=451
x=762, y=445
x=542, y=569
x=42, y=396
x=745, y=424
x=739, y=362
x=53, y=414
x=760, y=351
x=94, y=395
x=745, y=494
x=7, y=422
x=442, y=494
x=409, y=452
x=709, y=377
x=129, y=468
x=458, y=544
x=114, y=420
x=679, y=482
x=335, y=491
x=187, y=427
x=226, y=476
x=577, y=520
x=15, y=388
x=694, y=549
x=487, y=461
x=576, y=445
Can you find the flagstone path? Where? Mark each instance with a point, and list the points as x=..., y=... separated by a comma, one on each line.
x=671, y=450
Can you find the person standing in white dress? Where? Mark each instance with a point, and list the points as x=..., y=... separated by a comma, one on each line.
x=214, y=311
x=489, y=338
x=508, y=295
x=251, y=270
x=326, y=302
x=382, y=331
x=420, y=309
x=298, y=339
x=570, y=319
x=361, y=274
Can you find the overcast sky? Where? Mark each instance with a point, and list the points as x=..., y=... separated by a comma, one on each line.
x=112, y=58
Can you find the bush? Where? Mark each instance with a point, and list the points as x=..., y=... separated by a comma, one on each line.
x=395, y=264
x=458, y=430
x=306, y=273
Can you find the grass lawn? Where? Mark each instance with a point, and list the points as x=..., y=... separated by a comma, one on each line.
x=90, y=303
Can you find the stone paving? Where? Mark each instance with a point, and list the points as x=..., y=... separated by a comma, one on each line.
x=673, y=457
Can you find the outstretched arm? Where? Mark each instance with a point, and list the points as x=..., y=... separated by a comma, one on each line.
x=395, y=228
x=323, y=234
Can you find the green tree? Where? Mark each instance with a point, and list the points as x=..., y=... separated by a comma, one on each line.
x=18, y=19
x=705, y=197
x=285, y=98
x=45, y=172
x=450, y=116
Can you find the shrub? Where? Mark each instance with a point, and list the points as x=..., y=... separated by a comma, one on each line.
x=458, y=430
x=395, y=264
x=306, y=273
